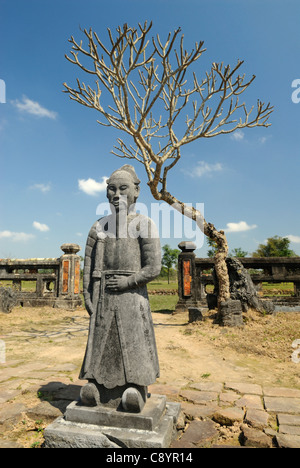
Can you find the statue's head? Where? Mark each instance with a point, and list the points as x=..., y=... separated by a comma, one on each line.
x=123, y=188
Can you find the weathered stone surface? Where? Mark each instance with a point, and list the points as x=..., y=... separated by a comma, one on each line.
x=121, y=351
x=290, y=419
x=256, y=418
x=231, y=314
x=7, y=395
x=282, y=392
x=8, y=300
x=198, y=411
x=44, y=411
x=207, y=386
x=181, y=444
x=11, y=412
x=199, y=433
x=4, y=444
x=288, y=441
x=292, y=430
x=228, y=416
x=63, y=434
x=242, y=290
x=168, y=390
x=255, y=438
x=251, y=389
x=147, y=419
x=242, y=287
x=282, y=405
x=228, y=397
x=201, y=398
x=250, y=401
x=68, y=434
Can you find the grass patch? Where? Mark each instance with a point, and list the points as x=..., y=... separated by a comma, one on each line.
x=163, y=303
x=159, y=284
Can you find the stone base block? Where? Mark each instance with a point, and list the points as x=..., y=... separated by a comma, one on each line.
x=231, y=314
x=101, y=427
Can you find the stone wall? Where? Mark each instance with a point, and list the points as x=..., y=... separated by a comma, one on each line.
x=54, y=282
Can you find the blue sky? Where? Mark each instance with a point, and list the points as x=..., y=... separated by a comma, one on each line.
x=247, y=181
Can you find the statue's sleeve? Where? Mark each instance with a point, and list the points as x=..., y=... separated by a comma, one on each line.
x=89, y=261
x=150, y=254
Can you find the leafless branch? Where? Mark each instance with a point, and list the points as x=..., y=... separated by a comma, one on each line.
x=143, y=77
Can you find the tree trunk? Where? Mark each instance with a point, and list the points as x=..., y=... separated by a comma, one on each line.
x=220, y=261
x=207, y=228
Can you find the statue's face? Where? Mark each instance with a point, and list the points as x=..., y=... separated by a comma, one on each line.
x=122, y=192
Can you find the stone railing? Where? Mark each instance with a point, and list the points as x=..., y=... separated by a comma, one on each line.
x=37, y=282
x=194, y=274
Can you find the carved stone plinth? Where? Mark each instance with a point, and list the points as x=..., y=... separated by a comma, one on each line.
x=103, y=427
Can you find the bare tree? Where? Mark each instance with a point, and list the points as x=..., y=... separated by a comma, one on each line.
x=145, y=81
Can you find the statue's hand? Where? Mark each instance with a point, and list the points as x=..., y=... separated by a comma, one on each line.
x=120, y=283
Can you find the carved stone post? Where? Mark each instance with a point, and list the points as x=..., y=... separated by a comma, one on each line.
x=69, y=278
x=187, y=281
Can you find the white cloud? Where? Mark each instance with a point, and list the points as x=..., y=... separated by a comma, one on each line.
x=295, y=239
x=34, y=108
x=42, y=187
x=262, y=140
x=239, y=227
x=91, y=186
x=40, y=227
x=238, y=135
x=204, y=168
x=16, y=236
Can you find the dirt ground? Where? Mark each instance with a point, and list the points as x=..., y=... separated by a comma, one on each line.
x=260, y=351
x=45, y=345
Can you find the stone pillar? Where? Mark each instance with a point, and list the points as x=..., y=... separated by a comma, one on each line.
x=297, y=288
x=231, y=314
x=187, y=283
x=69, y=278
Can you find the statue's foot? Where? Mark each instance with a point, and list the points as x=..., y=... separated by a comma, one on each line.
x=89, y=395
x=133, y=400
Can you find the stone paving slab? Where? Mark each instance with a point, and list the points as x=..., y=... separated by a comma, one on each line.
x=292, y=430
x=257, y=418
x=290, y=419
x=281, y=392
x=248, y=388
x=282, y=405
x=250, y=401
x=200, y=398
x=288, y=441
x=272, y=413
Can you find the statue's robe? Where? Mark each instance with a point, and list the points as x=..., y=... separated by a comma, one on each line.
x=121, y=346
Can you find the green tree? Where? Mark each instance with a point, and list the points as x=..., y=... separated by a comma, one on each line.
x=213, y=247
x=276, y=247
x=238, y=252
x=169, y=258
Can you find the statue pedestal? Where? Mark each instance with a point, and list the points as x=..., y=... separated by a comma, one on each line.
x=102, y=427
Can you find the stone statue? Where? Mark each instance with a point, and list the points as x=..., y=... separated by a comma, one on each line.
x=122, y=255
